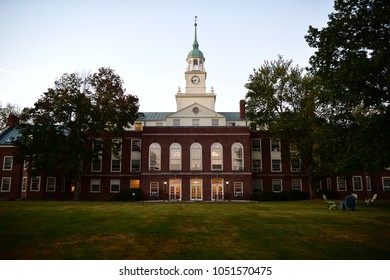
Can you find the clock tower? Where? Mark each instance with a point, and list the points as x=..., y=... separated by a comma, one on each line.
x=195, y=76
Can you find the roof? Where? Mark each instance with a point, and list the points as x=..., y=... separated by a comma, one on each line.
x=162, y=116
x=8, y=135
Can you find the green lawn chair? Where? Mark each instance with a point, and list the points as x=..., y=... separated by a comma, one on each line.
x=331, y=204
x=371, y=200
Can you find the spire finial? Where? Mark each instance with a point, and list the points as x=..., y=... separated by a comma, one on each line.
x=196, y=45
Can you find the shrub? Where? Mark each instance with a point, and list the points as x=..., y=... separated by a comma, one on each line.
x=129, y=195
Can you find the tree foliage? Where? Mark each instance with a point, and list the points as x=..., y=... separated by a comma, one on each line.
x=58, y=133
x=351, y=62
x=282, y=98
x=6, y=111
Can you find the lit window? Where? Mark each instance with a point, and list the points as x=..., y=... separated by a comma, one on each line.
x=237, y=157
x=135, y=184
x=196, y=156
x=216, y=157
x=175, y=157
x=155, y=157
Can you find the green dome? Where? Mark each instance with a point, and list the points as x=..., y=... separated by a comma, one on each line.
x=195, y=53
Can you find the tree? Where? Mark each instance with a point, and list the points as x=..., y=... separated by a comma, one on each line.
x=282, y=98
x=351, y=62
x=5, y=112
x=59, y=132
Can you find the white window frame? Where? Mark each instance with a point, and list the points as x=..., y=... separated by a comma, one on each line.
x=38, y=184
x=115, y=185
x=272, y=165
x=95, y=183
x=386, y=184
x=50, y=184
x=217, y=159
x=355, y=184
x=237, y=160
x=116, y=158
x=24, y=184
x=154, y=189
x=276, y=184
x=155, y=149
x=6, y=184
x=275, y=145
x=8, y=163
x=175, y=157
x=238, y=189
x=196, y=157
x=342, y=184
x=296, y=184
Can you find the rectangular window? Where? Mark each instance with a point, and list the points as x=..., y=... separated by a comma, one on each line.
x=6, y=184
x=51, y=184
x=24, y=184
x=328, y=183
x=176, y=122
x=195, y=122
x=154, y=189
x=63, y=184
x=134, y=184
x=256, y=165
x=115, y=185
x=95, y=185
x=386, y=184
x=277, y=185
x=135, y=165
x=215, y=122
x=368, y=183
x=357, y=183
x=296, y=184
x=8, y=162
x=238, y=189
x=136, y=145
x=257, y=185
x=276, y=165
x=35, y=184
x=116, y=155
x=275, y=145
x=96, y=165
x=256, y=145
x=341, y=184
x=295, y=165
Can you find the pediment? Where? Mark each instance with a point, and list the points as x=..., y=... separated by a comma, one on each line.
x=196, y=110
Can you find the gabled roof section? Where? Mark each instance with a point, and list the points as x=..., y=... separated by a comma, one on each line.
x=8, y=135
x=153, y=116
x=196, y=110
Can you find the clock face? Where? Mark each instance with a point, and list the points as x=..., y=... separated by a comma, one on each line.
x=195, y=80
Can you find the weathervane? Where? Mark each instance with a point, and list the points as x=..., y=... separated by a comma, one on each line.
x=196, y=18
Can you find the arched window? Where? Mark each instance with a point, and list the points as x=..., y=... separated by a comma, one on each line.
x=155, y=157
x=196, y=156
x=237, y=157
x=195, y=63
x=216, y=156
x=175, y=157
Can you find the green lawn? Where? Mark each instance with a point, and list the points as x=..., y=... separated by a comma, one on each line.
x=264, y=230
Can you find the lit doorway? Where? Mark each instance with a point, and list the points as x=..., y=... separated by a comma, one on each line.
x=196, y=189
x=175, y=189
x=217, y=189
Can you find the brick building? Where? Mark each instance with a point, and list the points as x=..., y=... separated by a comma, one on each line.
x=193, y=154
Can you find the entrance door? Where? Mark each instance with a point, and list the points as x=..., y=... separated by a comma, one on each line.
x=175, y=189
x=217, y=189
x=196, y=189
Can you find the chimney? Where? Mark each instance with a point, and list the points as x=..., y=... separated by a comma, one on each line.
x=12, y=121
x=242, y=109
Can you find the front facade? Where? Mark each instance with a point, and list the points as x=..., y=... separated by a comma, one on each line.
x=193, y=154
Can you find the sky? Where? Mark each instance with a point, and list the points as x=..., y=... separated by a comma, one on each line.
x=147, y=42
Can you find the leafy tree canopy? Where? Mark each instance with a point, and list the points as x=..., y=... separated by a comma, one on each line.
x=58, y=132
x=351, y=61
x=8, y=109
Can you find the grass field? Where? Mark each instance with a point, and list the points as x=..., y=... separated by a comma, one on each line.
x=264, y=230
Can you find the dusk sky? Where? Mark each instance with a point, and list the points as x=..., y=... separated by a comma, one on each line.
x=147, y=42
